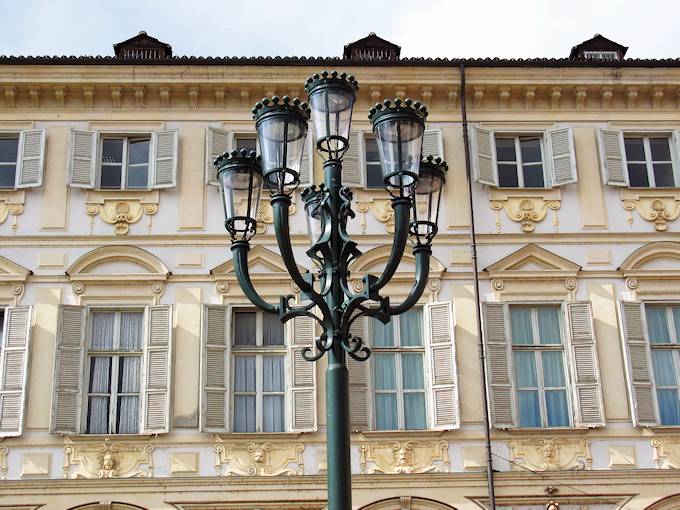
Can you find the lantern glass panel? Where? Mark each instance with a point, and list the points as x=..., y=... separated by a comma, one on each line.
x=314, y=210
x=282, y=142
x=241, y=188
x=332, y=115
x=399, y=146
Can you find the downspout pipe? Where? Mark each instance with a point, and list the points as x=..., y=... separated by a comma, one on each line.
x=475, y=276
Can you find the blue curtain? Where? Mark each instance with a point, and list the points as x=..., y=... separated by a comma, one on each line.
x=657, y=325
x=666, y=382
x=520, y=325
x=244, y=405
x=272, y=405
x=529, y=409
x=383, y=334
x=549, y=325
x=411, y=328
x=556, y=406
x=384, y=378
x=413, y=379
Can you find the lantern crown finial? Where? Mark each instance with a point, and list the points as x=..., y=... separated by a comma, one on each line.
x=406, y=106
x=330, y=78
x=276, y=103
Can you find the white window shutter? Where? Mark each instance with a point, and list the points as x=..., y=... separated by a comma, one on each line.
x=307, y=166
x=165, y=157
x=157, y=370
x=301, y=375
x=82, y=167
x=562, y=156
x=14, y=369
x=442, y=361
x=217, y=142
x=587, y=391
x=31, y=158
x=68, y=370
x=484, y=156
x=359, y=382
x=353, y=163
x=675, y=156
x=433, y=144
x=498, y=365
x=638, y=365
x=215, y=369
x=612, y=157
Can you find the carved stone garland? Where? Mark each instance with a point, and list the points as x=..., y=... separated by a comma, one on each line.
x=259, y=459
x=658, y=209
x=550, y=454
x=396, y=457
x=121, y=213
x=526, y=210
x=108, y=460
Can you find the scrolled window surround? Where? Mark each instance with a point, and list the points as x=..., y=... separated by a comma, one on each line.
x=121, y=208
x=526, y=206
x=658, y=206
x=11, y=202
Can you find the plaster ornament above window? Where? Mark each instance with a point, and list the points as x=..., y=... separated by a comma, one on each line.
x=526, y=207
x=259, y=459
x=656, y=206
x=404, y=457
x=12, y=281
x=121, y=209
x=666, y=452
x=107, y=460
x=550, y=454
x=653, y=271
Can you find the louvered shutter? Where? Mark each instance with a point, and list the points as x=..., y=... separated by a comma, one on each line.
x=301, y=376
x=484, y=156
x=562, y=156
x=215, y=374
x=675, y=156
x=612, y=157
x=442, y=359
x=165, y=150
x=14, y=369
x=157, y=358
x=82, y=159
x=217, y=142
x=584, y=366
x=68, y=370
x=359, y=388
x=499, y=377
x=432, y=143
x=31, y=160
x=353, y=163
x=638, y=369
x=307, y=166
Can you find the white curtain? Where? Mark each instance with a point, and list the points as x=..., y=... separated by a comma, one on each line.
x=411, y=328
x=657, y=325
x=128, y=388
x=272, y=329
x=383, y=334
x=526, y=381
x=131, y=330
x=384, y=377
x=245, y=328
x=272, y=405
x=244, y=404
x=100, y=389
x=102, y=331
x=520, y=325
x=556, y=407
x=413, y=379
x=549, y=325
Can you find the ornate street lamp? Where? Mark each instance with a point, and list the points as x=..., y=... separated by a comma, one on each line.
x=415, y=188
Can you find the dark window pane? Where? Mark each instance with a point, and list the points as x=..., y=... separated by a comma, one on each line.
x=371, y=151
x=249, y=144
x=531, y=150
x=138, y=177
x=661, y=151
x=374, y=178
x=533, y=176
x=112, y=151
x=111, y=176
x=7, y=175
x=635, y=150
x=244, y=328
x=8, y=150
x=138, y=152
x=637, y=175
x=505, y=149
x=507, y=176
x=663, y=175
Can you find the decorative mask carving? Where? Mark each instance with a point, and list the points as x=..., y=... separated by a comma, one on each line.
x=266, y=459
x=396, y=457
x=107, y=460
x=551, y=454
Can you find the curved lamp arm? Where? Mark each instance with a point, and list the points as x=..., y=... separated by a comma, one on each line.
x=240, y=250
x=422, y=255
x=402, y=215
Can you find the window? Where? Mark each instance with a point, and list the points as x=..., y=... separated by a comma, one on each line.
x=650, y=164
x=398, y=376
x=374, y=177
x=259, y=354
x=9, y=146
x=246, y=141
x=520, y=162
x=539, y=368
x=663, y=326
x=601, y=55
x=15, y=324
x=114, y=361
x=124, y=163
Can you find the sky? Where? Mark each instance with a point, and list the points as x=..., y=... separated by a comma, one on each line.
x=423, y=28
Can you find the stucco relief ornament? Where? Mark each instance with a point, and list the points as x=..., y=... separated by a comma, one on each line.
x=551, y=454
x=222, y=287
x=121, y=214
x=382, y=211
x=266, y=459
x=397, y=457
x=108, y=460
x=659, y=210
x=526, y=211
x=666, y=452
x=3, y=462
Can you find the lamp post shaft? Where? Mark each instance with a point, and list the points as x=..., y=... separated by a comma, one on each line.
x=337, y=380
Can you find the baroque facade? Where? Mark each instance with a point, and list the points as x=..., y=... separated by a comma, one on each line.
x=135, y=374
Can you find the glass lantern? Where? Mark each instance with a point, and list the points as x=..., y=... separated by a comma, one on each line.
x=426, y=200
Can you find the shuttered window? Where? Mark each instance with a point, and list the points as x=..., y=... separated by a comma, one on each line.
x=9, y=146
x=398, y=373
x=258, y=367
x=124, y=163
x=663, y=327
x=520, y=162
x=15, y=326
x=22, y=159
x=114, y=372
x=649, y=161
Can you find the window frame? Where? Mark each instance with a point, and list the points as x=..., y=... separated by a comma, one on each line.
x=368, y=136
x=519, y=164
x=258, y=351
x=126, y=137
x=536, y=346
x=398, y=350
x=649, y=162
x=115, y=356
x=17, y=158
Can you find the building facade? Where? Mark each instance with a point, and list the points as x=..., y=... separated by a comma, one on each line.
x=135, y=374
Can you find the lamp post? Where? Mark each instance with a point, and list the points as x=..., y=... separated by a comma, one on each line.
x=414, y=186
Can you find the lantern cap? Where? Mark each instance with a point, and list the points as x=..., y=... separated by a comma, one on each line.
x=392, y=106
x=285, y=103
x=237, y=157
x=331, y=78
x=434, y=163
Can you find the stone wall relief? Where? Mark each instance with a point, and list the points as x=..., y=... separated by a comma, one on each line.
x=3, y=462
x=259, y=459
x=550, y=454
x=525, y=207
x=666, y=452
x=398, y=457
x=121, y=209
x=265, y=213
x=12, y=202
x=108, y=460
x=656, y=206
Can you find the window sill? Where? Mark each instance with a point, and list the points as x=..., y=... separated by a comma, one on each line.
x=655, y=205
x=526, y=206
x=121, y=208
x=399, y=434
x=561, y=431
x=261, y=436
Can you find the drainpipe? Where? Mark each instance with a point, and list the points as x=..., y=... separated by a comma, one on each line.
x=475, y=276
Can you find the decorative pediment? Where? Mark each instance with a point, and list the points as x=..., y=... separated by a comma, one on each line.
x=375, y=259
x=653, y=269
x=12, y=272
x=260, y=260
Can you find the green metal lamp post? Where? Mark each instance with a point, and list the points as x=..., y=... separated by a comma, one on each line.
x=415, y=187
